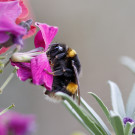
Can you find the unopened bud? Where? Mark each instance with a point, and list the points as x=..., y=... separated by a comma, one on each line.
x=20, y=57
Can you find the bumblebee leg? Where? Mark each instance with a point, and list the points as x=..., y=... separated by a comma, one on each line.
x=58, y=56
x=74, y=96
x=55, y=73
x=77, y=81
x=58, y=73
x=50, y=73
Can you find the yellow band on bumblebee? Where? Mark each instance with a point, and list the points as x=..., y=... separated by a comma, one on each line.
x=72, y=87
x=71, y=53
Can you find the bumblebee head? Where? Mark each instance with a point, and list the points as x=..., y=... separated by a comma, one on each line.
x=55, y=49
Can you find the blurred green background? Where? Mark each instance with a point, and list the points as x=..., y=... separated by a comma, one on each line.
x=101, y=31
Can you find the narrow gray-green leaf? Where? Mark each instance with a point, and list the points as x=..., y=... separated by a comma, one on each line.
x=130, y=107
x=104, y=108
x=117, y=101
x=69, y=107
x=91, y=125
x=117, y=123
x=128, y=62
x=95, y=116
x=128, y=128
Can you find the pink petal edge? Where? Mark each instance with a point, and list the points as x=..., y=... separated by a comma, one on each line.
x=48, y=34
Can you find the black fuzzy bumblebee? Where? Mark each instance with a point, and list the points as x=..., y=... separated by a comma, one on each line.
x=66, y=68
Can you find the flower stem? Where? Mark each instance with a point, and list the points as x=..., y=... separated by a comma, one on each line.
x=2, y=57
x=8, y=108
x=8, y=80
x=14, y=51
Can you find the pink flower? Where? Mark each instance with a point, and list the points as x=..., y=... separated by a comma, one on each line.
x=24, y=71
x=24, y=9
x=17, y=124
x=25, y=15
x=3, y=129
x=9, y=11
x=12, y=13
x=38, y=61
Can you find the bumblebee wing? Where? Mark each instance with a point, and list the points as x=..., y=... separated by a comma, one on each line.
x=77, y=80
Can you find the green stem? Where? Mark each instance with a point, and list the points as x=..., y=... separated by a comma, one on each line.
x=2, y=57
x=8, y=80
x=8, y=108
x=6, y=63
x=14, y=51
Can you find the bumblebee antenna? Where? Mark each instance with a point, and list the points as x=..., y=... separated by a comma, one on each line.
x=77, y=81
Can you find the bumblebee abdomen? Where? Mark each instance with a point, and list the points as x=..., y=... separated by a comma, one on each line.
x=72, y=87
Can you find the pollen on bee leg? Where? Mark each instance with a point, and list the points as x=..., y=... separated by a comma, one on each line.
x=72, y=87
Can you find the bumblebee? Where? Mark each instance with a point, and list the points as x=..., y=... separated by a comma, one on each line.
x=65, y=68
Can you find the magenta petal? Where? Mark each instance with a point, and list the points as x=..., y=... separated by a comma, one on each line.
x=45, y=37
x=39, y=41
x=10, y=9
x=3, y=37
x=3, y=129
x=39, y=75
x=24, y=71
x=21, y=124
x=17, y=124
x=7, y=25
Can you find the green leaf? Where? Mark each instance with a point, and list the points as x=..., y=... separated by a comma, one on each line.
x=128, y=128
x=91, y=125
x=95, y=116
x=117, y=101
x=74, y=113
x=128, y=62
x=117, y=123
x=130, y=107
x=104, y=108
